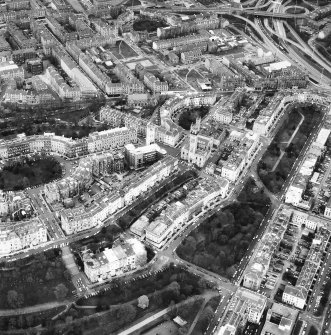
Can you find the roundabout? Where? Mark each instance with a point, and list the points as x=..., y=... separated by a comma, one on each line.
x=296, y=10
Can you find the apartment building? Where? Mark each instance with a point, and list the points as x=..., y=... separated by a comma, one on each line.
x=270, y=115
x=59, y=31
x=10, y=70
x=4, y=45
x=244, y=306
x=259, y=264
x=26, y=97
x=125, y=256
x=169, y=132
x=70, y=67
x=239, y=150
x=297, y=295
x=228, y=79
x=22, y=235
x=306, y=174
x=223, y=110
x=154, y=83
x=49, y=142
x=190, y=56
x=111, y=138
x=81, y=218
x=127, y=77
x=117, y=118
x=17, y=4
x=97, y=76
x=22, y=40
x=179, y=41
x=58, y=84
x=103, y=205
x=280, y=320
x=138, y=157
x=104, y=28
x=177, y=214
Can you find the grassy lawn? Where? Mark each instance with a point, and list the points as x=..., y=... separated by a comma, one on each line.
x=276, y=179
x=296, y=10
x=221, y=241
x=27, y=172
x=33, y=280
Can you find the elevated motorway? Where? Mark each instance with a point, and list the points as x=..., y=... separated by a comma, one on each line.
x=280, y=32
x=234, y=11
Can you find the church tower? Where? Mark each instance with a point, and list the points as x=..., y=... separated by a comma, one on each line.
x=194, y=131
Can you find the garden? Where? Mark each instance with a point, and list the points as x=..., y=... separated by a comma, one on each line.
x=34, y=280
x=189, y=116
x=278, y=160
x=29, y=172
x=149, y=25
x=221, y=241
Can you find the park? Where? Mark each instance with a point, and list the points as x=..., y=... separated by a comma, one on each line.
x=285, y=148
x=220, y=242
x=29, y=172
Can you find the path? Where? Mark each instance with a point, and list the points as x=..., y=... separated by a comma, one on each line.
x=157, y=315
x=202, y=307
x=288, y=142
x=146, y=321
x=34, y=309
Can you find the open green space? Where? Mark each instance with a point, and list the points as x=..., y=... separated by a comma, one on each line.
x=26, y=172
x=147, y=24
x=189, y=116
x=220, y=242
x=118, y=307
x=206, y=316
x=295, y=10
x=34, y=280
x=274, y=178
x=29, y=320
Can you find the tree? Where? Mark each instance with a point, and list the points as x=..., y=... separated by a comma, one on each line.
x=49, y=274
x=14, y=299
x=26, y=182
x=61, y=291
x=126, y=313
x=143, y=301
